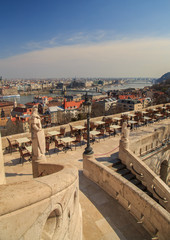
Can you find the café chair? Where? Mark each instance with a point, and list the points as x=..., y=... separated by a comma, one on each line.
x=24, y=155
x=77, y=141
x=59, y=146
x=12, y=145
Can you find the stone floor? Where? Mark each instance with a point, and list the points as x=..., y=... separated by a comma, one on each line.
x=103, y=217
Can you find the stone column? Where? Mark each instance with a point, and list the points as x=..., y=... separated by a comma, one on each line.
x=2, y=172
x=124, y=141
x=87, y=157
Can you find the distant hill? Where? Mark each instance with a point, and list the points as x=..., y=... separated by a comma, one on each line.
x=164, y=79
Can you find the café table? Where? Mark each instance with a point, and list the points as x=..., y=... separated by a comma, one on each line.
x=146, y=119
x=132, y=123
x=53, y=133
x=131, y=115
x=67, y=141
x=79, y=127
x=94, y=133
x=115, y=126
x=99, y=123
x=117, y=118
x=158, y=114
x=22, y=141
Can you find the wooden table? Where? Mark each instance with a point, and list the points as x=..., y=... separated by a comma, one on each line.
x=132, y=123
x=99, y=122
x=22, y=140
x=94, y=133
x=67, y=141
x=146, y=119
x=53, y=133
x=115, y=126
x=117, y=118
x=79, y=127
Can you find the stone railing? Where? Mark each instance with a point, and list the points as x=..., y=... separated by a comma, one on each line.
x=147, y=212
x=148, y=178
x=44, y=208
x=151, y=142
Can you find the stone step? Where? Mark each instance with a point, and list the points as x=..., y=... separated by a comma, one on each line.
x=118, y=167
x=129, y=176
x=123, y=171
x=116, y=161
x=135, y=181
x=141, y=186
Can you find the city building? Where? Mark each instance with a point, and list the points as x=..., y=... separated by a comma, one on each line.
x=129, y=105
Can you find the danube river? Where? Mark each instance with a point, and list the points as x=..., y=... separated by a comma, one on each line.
x=29, y=98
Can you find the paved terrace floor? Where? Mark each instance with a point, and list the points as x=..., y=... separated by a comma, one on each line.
x=103, y=217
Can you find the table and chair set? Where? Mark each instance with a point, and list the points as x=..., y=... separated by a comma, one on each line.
x=99, y=129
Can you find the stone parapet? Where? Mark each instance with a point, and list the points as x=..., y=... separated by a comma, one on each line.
x=150, y=214
x=44, y=208
x=148, y=178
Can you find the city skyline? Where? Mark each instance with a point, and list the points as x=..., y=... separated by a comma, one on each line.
x=84, y=39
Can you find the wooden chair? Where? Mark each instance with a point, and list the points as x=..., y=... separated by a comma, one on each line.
x=12, y=145
x=92, y=126
x=72, y=131
x=47, y=145
x=85, y=137
x=109, y=131
x=77, y=141
x=59, y=146
x=24, y=155
x=62, y=132
x=101, y=134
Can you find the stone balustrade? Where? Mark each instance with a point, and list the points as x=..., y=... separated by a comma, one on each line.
x=147, y=212
x=44, y=208
x=148, y=178
x=151, y=141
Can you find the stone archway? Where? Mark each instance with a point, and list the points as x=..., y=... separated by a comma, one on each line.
x=164, y=170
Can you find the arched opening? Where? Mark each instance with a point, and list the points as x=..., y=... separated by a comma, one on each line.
x=164, y=171
x=52, y=224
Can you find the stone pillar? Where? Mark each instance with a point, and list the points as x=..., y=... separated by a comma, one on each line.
x=2, y=172
x=35, y=163
x=124, y=141
x=86, y=157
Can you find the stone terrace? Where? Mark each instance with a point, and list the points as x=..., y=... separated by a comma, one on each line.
x=103, y=217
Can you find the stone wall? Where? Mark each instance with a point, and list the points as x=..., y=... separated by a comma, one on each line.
x=153, y=149
x=147, y=212
x=148, y=178
x=151, y=141
x=44, y=208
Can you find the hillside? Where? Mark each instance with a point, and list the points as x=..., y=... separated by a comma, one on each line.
x=164, y=79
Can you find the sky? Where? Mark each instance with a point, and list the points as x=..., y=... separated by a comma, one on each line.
x=84, y=38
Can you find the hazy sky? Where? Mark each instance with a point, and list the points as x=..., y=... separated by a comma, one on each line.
x=92, y=38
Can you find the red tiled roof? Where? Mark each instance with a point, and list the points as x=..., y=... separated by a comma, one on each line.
x=127, y=97
x=72, y=104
